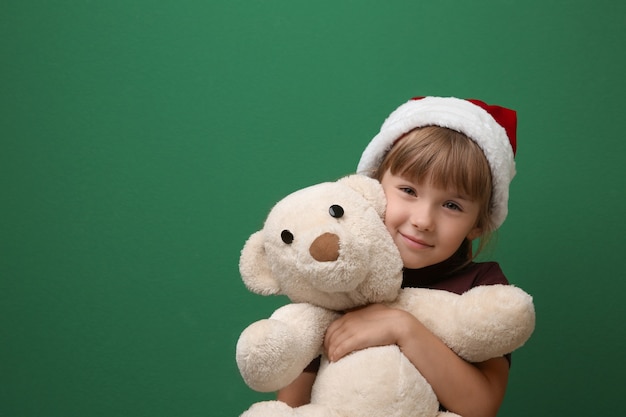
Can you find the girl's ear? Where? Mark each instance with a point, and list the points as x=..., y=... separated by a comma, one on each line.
x=475, y=233
x=255, y=271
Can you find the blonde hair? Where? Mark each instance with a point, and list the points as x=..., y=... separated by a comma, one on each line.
x=449, y=160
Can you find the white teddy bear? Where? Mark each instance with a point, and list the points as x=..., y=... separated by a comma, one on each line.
x=326, y=247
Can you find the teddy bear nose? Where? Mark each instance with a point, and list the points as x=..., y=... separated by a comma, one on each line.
x=325, y=248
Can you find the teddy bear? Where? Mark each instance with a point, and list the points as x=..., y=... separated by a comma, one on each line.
x=327, y=249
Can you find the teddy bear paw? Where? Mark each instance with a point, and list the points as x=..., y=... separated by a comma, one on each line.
x=266, y=357
x=280, y=409
x=269, y=409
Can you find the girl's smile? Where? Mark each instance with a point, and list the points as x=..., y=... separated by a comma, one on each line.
x=415, y=242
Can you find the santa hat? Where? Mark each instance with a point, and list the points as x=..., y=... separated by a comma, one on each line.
x=493, y=128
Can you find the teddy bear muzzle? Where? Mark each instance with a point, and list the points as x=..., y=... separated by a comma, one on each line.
x=325, y=248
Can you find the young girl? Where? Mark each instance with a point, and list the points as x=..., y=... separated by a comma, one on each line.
x=445, y=165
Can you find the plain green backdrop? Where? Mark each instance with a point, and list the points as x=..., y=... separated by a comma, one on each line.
x=143, y=141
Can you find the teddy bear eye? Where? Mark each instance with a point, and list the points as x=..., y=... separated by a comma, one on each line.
x=286, y=236
x=336, y=211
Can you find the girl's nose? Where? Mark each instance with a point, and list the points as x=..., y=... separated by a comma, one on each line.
x=422, y=219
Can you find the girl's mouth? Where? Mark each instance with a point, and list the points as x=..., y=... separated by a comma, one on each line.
x=415, y=242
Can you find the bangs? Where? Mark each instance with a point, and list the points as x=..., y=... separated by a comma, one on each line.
x=443, y=157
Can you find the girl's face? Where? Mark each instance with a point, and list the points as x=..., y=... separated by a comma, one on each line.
x=427, y=224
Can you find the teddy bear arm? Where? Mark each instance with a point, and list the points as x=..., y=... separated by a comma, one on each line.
x=434, y=308
x=484, y=322
x=493, y=320
x=271, y=353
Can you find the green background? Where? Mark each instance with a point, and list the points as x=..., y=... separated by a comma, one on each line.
x=143, y=141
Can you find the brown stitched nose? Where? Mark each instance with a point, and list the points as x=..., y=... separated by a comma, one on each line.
x=325, y=248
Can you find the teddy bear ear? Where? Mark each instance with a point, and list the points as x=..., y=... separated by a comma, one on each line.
x=369, y=188
x=254, y=269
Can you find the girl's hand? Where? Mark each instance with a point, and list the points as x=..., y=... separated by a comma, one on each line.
x=373, y=325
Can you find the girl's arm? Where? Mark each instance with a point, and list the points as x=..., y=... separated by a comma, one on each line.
x=461, y=387
x=299, y=391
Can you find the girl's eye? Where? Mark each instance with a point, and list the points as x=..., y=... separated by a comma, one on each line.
x=408, y=190
x=452, y=206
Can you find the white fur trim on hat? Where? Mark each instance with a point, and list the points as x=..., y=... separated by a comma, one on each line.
x=456, y=114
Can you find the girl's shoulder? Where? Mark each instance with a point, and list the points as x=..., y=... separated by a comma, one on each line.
x=485, y=273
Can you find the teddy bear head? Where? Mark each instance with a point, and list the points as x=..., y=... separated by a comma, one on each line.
x=326, y=245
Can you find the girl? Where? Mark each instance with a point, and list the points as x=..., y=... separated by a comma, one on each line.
x=445, y=165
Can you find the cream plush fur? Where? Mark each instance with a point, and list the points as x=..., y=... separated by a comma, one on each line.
x=327, y=263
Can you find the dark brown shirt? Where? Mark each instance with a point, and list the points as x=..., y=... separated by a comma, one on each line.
x=455, y=274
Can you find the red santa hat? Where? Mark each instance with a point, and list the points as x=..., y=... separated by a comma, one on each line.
x=493, y=128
